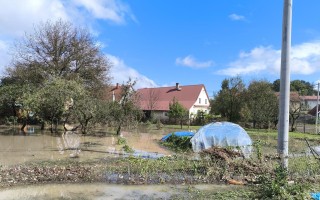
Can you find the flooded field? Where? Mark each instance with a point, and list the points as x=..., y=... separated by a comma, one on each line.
x=84, y=167
x=19, y=148
x=102, y=191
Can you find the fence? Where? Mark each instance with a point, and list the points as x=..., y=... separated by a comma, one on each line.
x=306, y=124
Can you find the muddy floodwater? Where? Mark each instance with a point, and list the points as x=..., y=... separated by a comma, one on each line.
x=97, y=191
x=19, y=148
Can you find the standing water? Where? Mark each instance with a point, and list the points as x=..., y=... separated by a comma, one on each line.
x=19, y=148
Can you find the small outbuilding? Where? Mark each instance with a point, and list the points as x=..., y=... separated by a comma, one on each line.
x=222, y=134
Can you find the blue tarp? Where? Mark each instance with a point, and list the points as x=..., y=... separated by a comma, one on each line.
x=178, y=134
x=315, y=196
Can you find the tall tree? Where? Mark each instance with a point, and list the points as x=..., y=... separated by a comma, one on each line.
x=276, y=85
x=58, y=49
x=44, y=65
x=228, y=102
x=302, y=87
x=262, y=103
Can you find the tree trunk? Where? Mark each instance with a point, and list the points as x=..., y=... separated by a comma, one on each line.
x=42, y=126
x=24, y=124
x=293, y=124
x=118, y=130
x=51, y=126
x=86, y=124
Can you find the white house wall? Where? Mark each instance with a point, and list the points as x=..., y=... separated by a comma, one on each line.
x=310, y=104
x=202, y=103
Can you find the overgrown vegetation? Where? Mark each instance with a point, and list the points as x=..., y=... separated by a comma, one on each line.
x=278, y=186
x=178, y=144
x=258, y=177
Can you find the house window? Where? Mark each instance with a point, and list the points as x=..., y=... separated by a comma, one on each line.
x=206, y=101
x=199, y=100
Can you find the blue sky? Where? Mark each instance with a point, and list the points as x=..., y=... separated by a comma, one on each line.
x=161, y=42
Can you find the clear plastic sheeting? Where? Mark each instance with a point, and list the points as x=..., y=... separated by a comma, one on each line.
x=222, y=134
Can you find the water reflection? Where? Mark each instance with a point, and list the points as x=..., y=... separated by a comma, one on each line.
x=70, y=140
x=16, y=148
x=104, y=191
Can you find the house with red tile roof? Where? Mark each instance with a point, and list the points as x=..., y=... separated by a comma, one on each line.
x=310, y=101
x=193, y=97
x=113, y=93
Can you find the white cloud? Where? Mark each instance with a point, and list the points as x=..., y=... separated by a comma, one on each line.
x=18, y=17
x=190, y=61
x=121, y=73
x=4, y=56
x=305, y=59
x=112, y=10
x=236, y=17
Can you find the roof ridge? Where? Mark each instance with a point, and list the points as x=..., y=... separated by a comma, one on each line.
x=201, y=84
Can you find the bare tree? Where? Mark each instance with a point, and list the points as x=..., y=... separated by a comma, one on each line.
x=59, y=50
x=295, y=109
x=153, y=98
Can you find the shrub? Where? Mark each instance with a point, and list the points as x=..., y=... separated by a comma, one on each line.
x=278, y=187
x=127, y=149
x=179, y=144
x=121, y=141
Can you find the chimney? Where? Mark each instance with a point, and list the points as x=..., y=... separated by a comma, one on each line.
x=117, y=86
x=178, y=87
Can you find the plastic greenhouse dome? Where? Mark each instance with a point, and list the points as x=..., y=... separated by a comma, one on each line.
x=222, y=134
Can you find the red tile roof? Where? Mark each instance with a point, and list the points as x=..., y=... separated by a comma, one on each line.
x=116, y=90
x=162, y=96
x=309, y=98
x=294, y=96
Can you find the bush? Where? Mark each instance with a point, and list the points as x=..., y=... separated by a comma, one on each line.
x=127, y=149
x=121, y=141
x=179, y=144
x=278, y=187
x=159, y=124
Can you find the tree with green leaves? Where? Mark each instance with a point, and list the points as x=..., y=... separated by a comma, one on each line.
x=262, y=103
x=229, y=100
x=49, y=102
x=88, y=111
x=12, y=96
x=125, y=112
x=54, y=64
x=178, y=112
x=300, y=86
x=276, y=85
